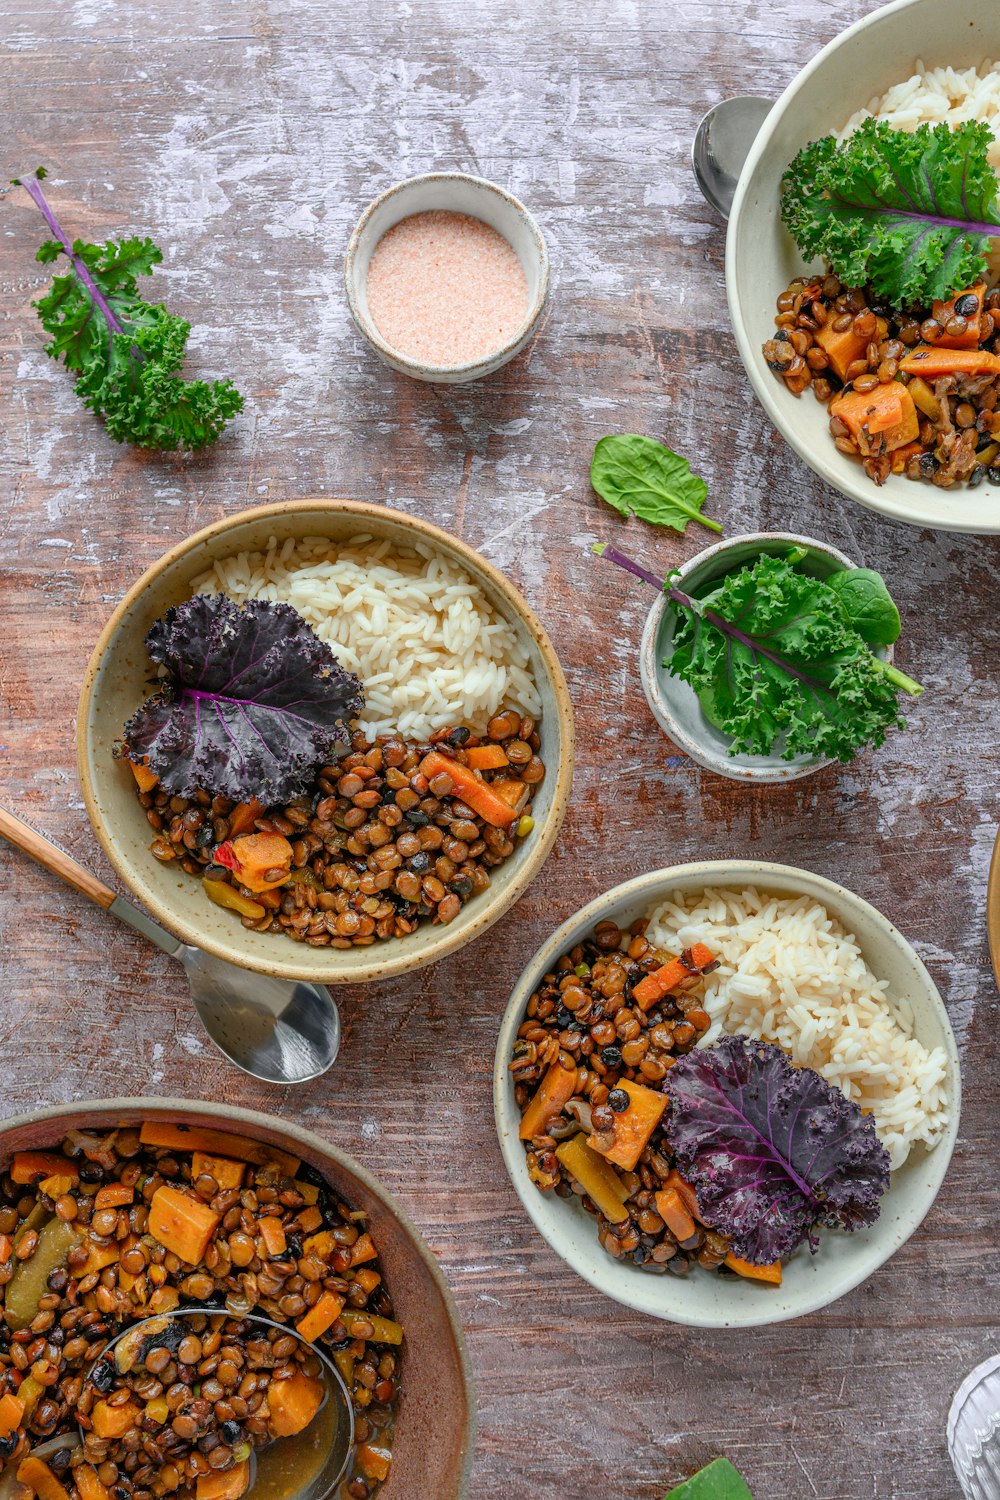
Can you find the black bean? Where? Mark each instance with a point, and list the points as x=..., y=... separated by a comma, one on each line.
x=416, y=818
x=459, y=735
x=618, y=1100
x=102, y=1377
x=419, y=863
x=611, y=1057
x=967, y=306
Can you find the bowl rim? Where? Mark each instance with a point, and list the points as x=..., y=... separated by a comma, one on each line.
x=853, y=486
x=145, y=1105
x=472, y=369
x=647, y=888
x=453, y=937
x=659, y=704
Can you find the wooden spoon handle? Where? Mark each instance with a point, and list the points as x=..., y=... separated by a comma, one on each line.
x=19, y=834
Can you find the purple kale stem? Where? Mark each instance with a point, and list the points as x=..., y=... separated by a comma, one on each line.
x=32, y=186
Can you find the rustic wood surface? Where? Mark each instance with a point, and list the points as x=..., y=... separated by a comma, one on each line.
x=246, y=136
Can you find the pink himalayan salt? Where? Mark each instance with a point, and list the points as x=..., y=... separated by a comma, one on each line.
x=445, y=289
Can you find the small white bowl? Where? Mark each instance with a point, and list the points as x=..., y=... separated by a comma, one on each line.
x=675, y=705
x=457, y=193
x=843, y=1261
x=761, y=258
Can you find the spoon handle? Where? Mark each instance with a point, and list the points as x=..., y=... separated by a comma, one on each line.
x=53, y=858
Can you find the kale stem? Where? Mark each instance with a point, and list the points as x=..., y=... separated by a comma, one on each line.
x=31, y=185
x=899, y=679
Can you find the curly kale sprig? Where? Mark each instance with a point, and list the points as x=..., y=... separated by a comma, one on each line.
x=127, y=353
x=782, y=661
x=910, y=212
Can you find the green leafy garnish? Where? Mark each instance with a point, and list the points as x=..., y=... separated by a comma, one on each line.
x=719, y=1481
x=910, y=212
x=781, y=662
x=868, y=604
x=640, y=477
x=127, y=353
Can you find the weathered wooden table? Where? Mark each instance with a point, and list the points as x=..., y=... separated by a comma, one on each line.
x=245, y=136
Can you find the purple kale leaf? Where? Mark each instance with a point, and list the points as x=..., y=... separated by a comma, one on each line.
x=252, y=704
x=773, y=1151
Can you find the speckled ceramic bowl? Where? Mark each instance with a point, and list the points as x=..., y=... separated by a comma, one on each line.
x=844, y=1260
x=457, y=193
x=857, y=66
x=435, y=1433
x=116, y=682
x=675, y=705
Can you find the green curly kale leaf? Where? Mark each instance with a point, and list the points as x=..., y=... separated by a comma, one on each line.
x=777, y=661
x=127, y=353
x=911, y=213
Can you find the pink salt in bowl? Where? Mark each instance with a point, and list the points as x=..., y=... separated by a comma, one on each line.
x=459, y=286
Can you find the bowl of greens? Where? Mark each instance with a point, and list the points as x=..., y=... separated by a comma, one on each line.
x=867, y=219
x=769, y=656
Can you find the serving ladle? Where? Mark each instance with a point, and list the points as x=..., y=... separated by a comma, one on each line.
x=278, y=1030
x=322, y=1452
x=722, y=144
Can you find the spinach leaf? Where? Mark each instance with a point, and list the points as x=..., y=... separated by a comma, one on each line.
x=641, y=477
x=719, y=1481
x=868, y=604
x=910, y=212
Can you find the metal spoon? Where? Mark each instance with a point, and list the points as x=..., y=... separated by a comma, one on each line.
x=722, y=144
x=278, y=1030
x=322, y=1451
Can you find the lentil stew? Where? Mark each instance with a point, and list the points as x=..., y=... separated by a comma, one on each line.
x=118, y=1228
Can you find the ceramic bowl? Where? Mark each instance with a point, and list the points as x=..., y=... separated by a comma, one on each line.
x=116, y=683
x=435, y=1435
x=844, y=1260
x=457, y=193
x=675, y=705
x=857, y=66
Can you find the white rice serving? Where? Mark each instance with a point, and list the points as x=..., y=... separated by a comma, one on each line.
x=790, y=974
x=935, y=96
x=430, y=649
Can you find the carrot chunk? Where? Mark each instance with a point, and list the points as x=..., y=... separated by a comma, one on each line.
x=363, y=1250
x=182, y=1223
x=115, y=1195
x=202, y=1138
x=367, y=1280
x=293, y=1403
x=481, y=798
x=374, y=1462
x=309, y=1219
x=226, y=1486
x=243, y=818
x=633, y=1127
x=145, y=779
x=31, y=1166
x=99, y=1257
x=771, y=1273
x=514, y=793
x=89, y=1485
x=321, y=1316
x=556, y=1089
x=674, y=973
x=932, y=359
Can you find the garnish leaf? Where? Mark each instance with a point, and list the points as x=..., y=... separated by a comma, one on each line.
x=641, y=477
x=718, y=1481
x=867, y=604
x=910, y=212
x=773, y=1151
x=252, y=702
x=127, y=353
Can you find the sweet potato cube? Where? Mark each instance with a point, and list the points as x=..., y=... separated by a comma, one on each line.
x=40, y=1480
x=115, y=1195
x=487, y=757
x=226, y=1486
x=555, y=1090
x=273, y=1236
x=145, y=779
x=374, y=1462
x=253, y=856
x=943, y=312
x=11, y=1414
x=99, y=1257
x=227, y=1173
x=89, y=1485
x=114, y=1421
x=182, y=1223
x=633, y=1127
x=771, y=1273
x=886, y=413
x=841, y=349
x=362, y=1250
x=293, y=1403
x=599, y=1181
x=321, y=1316
x=674, y=1214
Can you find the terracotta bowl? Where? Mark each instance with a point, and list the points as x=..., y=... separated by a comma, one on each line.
x=117, y=681
x=435, y=1434
x=858, y=65
x=843, y=1261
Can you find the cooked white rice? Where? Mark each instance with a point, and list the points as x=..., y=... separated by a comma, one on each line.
x=429, y=648
x=935, y=96
x=789, y=973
